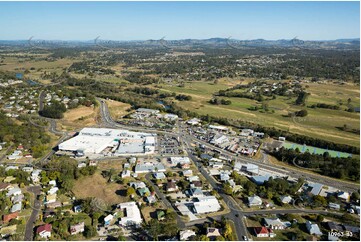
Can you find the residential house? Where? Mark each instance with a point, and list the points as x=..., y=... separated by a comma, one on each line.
x=8, y=217
x=263, y=232
x=144, y=191
x=274, y=223
x=172, y=186
x=159, y=175
x=77, y=209
x=126, y=173
x=52, y=183
x=160, y=215
x=224, y=176
x=195, y=192
x=56, y=204
x=186, y=234
x=108, y=219
x=13, y=192
x=187, y=173
x=185, y=166
x=35, y=175
x=28, y=169
x=44, y=231
x=132, y=214
x=286, y=199
x=260, y=180
x=196, y=184
x=137, y=185
x=334, y=206
x=344, y=196
x=151, y=198
x=53, y=190
x=77, y=228
x=51, y=198
x=254, y=201
x=206, y=156
x=313, y=228
x=213, y=233
x=17, y=198
x=193, y=178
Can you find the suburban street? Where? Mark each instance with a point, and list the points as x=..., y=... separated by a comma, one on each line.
x=29, y=230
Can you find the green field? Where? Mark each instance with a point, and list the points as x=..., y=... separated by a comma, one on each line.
x=319, y=123
x=315, y=150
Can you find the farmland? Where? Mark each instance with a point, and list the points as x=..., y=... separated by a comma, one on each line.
x=319, y=123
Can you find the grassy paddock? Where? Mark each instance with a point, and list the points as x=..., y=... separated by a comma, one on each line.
x=319, y=123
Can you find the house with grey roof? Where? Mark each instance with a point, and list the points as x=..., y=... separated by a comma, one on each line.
x=16, y=207
x=260, y=180
x=286, y=199
x=274, y=223
x=313, y=228
x=254, y=201
x=334, y=206
x=195, y=192
x=315, y=188
x=149, y=167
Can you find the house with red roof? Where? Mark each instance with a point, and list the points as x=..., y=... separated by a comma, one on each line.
x=44, y=231
x=262, y=232
x=8, y=217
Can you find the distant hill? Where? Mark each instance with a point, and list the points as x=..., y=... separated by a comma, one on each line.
x=211, y=42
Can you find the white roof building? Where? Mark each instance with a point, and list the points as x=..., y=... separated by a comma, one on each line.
x=126, y=173
x=131, y=214
x=13, y=192
x=220, y=140
x=95, y=140
x=344, y=196
x=185, y=234
x=206, y=204
x=179, y=160
x=194, y=121
x=147, y=110
x=170, y=116
x=53, y=190
x=218, y=128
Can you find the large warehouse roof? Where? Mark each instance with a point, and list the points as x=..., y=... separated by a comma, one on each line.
x=95, y=140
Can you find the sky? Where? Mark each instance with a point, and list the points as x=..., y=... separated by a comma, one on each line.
x=179, y=20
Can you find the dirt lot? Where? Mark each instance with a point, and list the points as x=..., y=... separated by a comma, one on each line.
x=97, y=186
x=79, y=117
x=117, y=109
